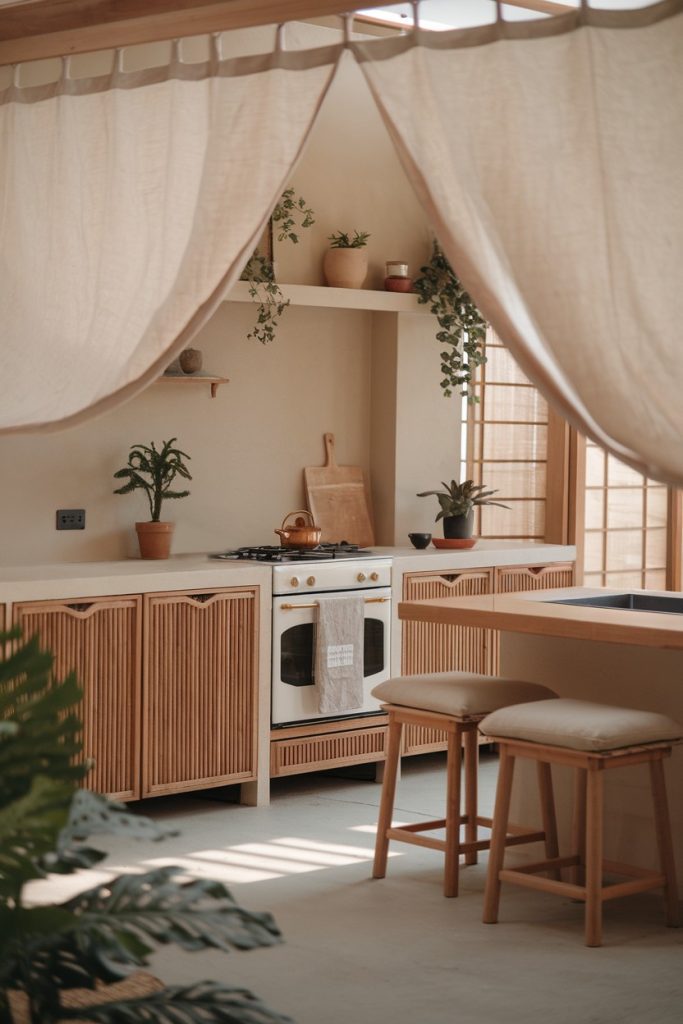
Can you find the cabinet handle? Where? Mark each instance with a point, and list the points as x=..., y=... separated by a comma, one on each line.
x=80, y=607
x=201, y=598
x=536, y=570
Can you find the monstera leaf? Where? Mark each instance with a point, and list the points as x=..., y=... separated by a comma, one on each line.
x=102, y=934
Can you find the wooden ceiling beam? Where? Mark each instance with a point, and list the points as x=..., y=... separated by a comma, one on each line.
x=36, y=29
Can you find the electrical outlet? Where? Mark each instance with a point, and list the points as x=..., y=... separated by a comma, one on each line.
x=71, y=519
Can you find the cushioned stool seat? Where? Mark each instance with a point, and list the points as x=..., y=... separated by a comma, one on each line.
x=592, y=738
x=452, y=702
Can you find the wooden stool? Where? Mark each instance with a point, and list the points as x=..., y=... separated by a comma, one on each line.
x=591, y=738
x=453, y=702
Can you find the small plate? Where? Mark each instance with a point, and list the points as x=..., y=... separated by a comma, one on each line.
x=454, y=542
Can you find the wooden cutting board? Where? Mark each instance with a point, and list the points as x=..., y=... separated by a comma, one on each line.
x=339, y=500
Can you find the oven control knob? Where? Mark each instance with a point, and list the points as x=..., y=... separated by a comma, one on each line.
x=294, y=582
x=311, y=581
x=374, y=576
x=361, y=577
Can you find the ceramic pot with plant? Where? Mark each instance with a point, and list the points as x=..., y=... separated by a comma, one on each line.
x=345, y=264
x=153, y=470
x=457, y=503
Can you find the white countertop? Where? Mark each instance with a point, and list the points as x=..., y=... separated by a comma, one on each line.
x=134, y=575
x=484, y=553
x=129, y=576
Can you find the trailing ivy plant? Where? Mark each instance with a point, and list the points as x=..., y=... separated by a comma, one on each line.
x=462, y=327
x=260, y=272
x=104, y=933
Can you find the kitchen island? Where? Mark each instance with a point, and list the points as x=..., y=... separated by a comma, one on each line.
x=623, y=657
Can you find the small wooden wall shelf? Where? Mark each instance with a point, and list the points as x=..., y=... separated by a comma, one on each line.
x=195, y=378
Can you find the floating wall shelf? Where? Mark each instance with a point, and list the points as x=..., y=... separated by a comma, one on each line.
x=194, y=378
x=337, y=298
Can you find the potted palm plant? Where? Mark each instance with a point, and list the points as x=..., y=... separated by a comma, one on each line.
x=153, y=470
x=457, y=502
x=346, y=263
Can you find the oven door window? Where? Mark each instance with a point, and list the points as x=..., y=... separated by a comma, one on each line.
x=297, y=652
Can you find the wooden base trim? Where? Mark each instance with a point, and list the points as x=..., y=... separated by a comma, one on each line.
x=332, y=750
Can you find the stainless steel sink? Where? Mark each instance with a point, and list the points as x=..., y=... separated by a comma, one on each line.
x=634, y=602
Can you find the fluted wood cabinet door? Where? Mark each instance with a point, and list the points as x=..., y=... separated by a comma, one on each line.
x=513, y=578
x=99, y=639
x=199, y=698
x=510, y=579
x=432, y=647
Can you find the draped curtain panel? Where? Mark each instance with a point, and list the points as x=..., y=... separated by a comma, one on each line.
x=549, y=156
x=130, y=202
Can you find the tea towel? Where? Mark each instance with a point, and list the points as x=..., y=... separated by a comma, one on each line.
x=339, y=653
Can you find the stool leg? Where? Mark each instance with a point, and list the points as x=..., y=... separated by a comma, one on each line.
x=498, y=833
x=594, y=828
x=664, y=844
x=547, y=798
x=471, y=758
x=578, y=873
x=386, y=805
x=452, y=865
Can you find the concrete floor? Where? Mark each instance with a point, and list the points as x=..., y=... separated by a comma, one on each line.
x=363, y=951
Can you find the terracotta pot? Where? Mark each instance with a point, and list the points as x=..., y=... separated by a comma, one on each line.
x=345, y=268
x=301, y=535
x=458, y=527
x=154, y=539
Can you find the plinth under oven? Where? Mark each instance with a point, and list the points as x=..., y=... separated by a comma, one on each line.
x=296, y=587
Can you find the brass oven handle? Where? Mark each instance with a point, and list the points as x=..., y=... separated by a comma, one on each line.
x=314, y=604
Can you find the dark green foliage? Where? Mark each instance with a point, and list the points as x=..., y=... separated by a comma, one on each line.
x=102, y=934
x=462, y=327
x=459, y=499
x=340, y=240
x=287, y=208
x=260, y=272
x=264, y=290
x=154, y=470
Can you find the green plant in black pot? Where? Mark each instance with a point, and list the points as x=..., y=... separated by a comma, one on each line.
x=456, y=506
x=80, y=959
x=462, y=327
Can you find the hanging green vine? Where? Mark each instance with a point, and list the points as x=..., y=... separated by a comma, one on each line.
x=260, y=272
x=462, y=327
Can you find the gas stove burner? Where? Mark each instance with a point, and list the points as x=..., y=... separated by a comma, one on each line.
x=273, y=553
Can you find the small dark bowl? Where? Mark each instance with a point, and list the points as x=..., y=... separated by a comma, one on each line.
x=419, y=540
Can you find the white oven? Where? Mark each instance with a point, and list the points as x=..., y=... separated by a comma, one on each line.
x=296, y=587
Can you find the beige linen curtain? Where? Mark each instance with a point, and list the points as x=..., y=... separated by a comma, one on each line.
x=549, y=156
x=129, y=203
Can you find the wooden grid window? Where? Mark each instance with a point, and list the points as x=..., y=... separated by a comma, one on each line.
x=625, y=525
x=505, y=441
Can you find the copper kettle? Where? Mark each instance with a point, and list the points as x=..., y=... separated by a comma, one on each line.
x=302, y=534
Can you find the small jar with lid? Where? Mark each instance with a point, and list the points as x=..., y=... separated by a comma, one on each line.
x=397, y=279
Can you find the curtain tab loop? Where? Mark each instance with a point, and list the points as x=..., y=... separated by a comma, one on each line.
x=499, y=11
x=66, y=67
x=215, y=45
x=416, y=15
x=280, y=37
x=15, y=76
x=348, y=26
x=118, y=61
x=175, y=51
